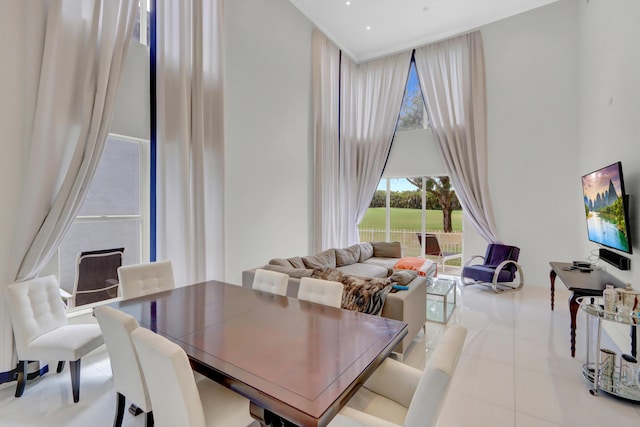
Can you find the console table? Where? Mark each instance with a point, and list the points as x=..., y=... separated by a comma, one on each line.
x=581, y=284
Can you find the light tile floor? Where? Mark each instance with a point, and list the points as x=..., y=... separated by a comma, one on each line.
x=515, y=370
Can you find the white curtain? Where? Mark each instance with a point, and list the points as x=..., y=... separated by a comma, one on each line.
x=326, y=87
x=356, y=109
x=77, y=48
x=452, y=81
x=370, y=102
x=190, y=149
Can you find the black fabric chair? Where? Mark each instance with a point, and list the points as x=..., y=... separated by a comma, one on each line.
x=96, y=276
x=498, y=270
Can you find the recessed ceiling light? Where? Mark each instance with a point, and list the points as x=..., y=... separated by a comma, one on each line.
x=348, y=3
x=368, y=28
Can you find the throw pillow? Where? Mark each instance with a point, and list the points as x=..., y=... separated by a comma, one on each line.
x=280, y=261
x=296, y=262
x=366, y=251
x=347, y=256
x=323, y=259
x=403, y=277
x=387, y=249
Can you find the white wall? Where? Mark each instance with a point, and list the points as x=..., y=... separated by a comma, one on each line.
x=531, y=65
x=268, y=134
x=610, y=105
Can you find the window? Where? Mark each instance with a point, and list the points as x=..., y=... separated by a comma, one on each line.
x=402, y=207
x=142, y=21
x=413, y=113
x=114, y=213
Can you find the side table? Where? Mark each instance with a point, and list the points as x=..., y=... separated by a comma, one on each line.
x=581, y=284
x=440, y=301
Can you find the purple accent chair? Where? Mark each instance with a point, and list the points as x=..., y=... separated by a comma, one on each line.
x=498, y=270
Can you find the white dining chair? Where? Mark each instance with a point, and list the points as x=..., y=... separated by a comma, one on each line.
x=271, y=281
x=321, y=291
x=177, y=398
x=148, y=278
x=399, y=395
x=42, y=332
x=127, y=373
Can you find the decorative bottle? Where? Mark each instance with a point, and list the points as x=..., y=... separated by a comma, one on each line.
x=610, y=299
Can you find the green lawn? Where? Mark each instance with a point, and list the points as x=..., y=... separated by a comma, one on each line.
x=408, y=219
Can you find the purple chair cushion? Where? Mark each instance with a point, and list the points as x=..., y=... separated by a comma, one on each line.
x=495, y=255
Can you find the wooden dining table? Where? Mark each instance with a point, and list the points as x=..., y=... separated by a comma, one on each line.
x=297, y=362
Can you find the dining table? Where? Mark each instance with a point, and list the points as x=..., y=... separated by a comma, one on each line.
x=297, y=362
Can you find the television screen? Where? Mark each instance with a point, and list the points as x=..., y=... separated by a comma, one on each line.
x=605, y=204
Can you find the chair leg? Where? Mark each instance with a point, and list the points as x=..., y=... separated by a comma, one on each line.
x=134, y=410
x=149, y=419
x=60, y=366
x=74, y=367
x=120, y=402
x=21, y=371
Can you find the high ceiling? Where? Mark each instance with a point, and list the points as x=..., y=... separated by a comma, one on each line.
x=366, y=29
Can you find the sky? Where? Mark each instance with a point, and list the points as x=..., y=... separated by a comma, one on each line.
x=397, y=184
x=598, y=181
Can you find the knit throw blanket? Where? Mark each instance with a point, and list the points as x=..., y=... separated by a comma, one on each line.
x=363, y=294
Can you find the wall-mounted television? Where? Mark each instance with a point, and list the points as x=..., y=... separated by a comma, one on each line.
x=606, y=208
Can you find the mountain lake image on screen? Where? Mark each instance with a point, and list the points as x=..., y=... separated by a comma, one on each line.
x=605, y=208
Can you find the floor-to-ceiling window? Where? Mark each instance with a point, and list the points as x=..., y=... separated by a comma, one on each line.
x=414, y=195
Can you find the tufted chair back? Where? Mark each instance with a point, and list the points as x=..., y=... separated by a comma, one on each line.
x=321, y=291
x=271, y=281
x=143, y=279
x=36, y=308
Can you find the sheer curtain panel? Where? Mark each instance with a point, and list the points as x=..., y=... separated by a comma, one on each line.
x=326, y=86
x=370, y=102
x=190, y=146
x=451, y=75
x=75, y=56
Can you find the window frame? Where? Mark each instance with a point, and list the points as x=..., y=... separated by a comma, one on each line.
x=144, y=208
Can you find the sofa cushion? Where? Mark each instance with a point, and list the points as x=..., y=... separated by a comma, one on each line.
x=403, y=277
x=387, y=263
x=363, y=294
x=387, y=249
x=366, y=251
x=323, y=259
x=347, y=256
x=364, y=270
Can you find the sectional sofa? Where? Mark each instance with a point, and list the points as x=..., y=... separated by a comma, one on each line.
x=372, y=260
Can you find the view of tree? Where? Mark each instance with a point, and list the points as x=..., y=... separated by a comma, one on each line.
x=412, y=113
x=440, y=188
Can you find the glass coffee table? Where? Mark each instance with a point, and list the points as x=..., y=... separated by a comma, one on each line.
x=441, y=300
